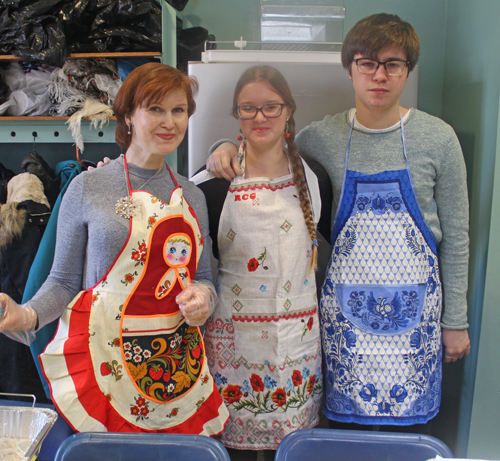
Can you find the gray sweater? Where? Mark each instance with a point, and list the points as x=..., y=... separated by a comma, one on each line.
x=438, y=170
x=90, y=234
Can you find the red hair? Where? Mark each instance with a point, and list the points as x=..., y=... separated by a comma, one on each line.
x=146, y=85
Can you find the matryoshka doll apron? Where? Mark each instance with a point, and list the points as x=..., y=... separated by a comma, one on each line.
x=381, y=304
x=123, y=358
x=263, y=340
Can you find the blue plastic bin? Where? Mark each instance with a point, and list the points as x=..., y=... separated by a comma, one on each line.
x=109, y=446
x=59, y=432
x=344, y=445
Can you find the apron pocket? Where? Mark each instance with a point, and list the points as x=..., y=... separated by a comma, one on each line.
x=382, y=309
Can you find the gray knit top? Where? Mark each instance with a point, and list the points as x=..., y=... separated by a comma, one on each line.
x=438, y=171
x=90, y=234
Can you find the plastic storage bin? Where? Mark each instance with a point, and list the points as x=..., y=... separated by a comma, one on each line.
x=110, y=446
x=27, y=427
x=344, y=445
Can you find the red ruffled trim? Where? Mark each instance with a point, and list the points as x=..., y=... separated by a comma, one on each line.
x=96, y=404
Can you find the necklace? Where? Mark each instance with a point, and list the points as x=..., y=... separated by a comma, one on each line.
x=128, y=207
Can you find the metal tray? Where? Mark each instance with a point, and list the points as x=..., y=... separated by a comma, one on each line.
x=27, y=426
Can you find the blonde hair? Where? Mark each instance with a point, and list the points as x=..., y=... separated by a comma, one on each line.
x=179, y=238
x=275, y=79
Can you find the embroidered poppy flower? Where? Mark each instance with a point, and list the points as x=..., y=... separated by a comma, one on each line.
x=134, y=411
x=232, y=393
x=279, y=397
x=142, y=247
x=253, y=264
x=296, y=378
x=106, y=369
x=310, y=323
x=144, y=411
x=310, y=384
x=143, y=258
x=136, y=255
x=140, y=401
x=257, y=383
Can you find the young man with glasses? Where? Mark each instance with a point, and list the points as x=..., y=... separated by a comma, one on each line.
x=399, y=239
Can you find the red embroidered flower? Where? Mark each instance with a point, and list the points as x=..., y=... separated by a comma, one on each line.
x=136, y=255
x=106, y=369
x=310, y=384
x=232, y=393
x=143, y=258
x=310, y=323
x=279, y=397
x=140, y=401
x=134, y=411
x=296, y=378
x=256, y=382
x=142, y=247
x=144, y=411
x=253, y=264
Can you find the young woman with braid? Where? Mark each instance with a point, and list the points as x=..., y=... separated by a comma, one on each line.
x=263, y=341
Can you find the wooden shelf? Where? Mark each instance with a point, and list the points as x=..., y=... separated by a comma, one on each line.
x=124, y=54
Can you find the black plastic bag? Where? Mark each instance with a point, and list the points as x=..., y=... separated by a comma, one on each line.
x=49, y=30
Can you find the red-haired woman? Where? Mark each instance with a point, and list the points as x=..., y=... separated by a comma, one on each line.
x=128, y=354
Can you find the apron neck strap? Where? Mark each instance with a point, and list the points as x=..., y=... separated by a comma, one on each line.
x=403, y=140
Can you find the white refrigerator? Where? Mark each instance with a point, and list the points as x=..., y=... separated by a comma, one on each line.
x=319, y=83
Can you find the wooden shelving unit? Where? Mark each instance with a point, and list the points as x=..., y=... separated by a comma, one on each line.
x=54, y=129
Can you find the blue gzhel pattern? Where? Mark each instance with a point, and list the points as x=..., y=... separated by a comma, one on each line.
x=381, y=307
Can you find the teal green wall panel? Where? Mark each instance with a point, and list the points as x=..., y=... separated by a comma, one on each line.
x=470, y=105
x=484, y=442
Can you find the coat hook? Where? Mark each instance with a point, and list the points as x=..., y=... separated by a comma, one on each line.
x=35, y=134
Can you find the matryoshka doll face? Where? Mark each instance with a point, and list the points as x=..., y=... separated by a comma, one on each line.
x=178, y=252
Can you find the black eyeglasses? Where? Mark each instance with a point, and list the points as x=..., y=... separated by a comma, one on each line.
x=394, y=67
x=269, y=111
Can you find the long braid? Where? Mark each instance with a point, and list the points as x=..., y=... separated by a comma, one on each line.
x=275, y=79
x=301, y=185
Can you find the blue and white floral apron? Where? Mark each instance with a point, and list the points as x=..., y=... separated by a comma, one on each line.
x=381, y=304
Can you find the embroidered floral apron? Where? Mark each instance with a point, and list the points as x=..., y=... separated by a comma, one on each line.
x=263, y=340
x=381, y=304
x=123, y=358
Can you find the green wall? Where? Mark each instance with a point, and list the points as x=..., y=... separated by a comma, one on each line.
x=471, y=105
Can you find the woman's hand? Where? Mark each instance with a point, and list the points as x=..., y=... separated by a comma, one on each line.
x=104, y=162
x=223, y=162
x=197, y=302
x=18, y=322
